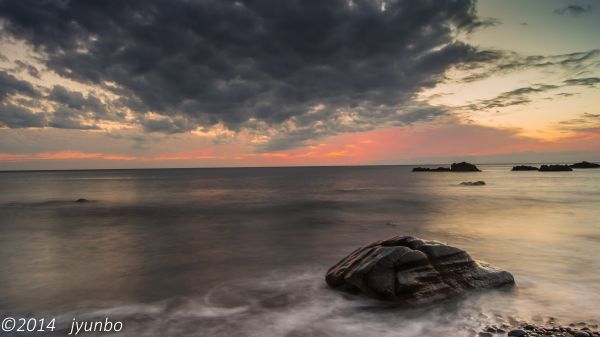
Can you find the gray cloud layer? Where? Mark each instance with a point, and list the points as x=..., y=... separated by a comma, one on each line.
x=574, y=10
x=22, y=105
x=245, y=63
x=522, y=95
x=586, y=122
x=501, y=62
x=10, y=85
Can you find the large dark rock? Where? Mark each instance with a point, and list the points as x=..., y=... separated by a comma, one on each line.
x=463, y=167
x=456, y=167
x=555, y=168
x=585, y=165
x=410, y=270
x=524, y=168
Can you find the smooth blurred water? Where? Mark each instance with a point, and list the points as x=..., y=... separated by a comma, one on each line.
x=243, y=252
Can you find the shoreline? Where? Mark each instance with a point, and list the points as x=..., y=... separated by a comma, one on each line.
x=551, y=327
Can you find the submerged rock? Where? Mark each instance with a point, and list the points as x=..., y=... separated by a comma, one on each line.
x=555, y=168
x=427, y=169
x=406, y=269
x=585, y=165
x=473, y=183
x=464, y=167
x=524, y=168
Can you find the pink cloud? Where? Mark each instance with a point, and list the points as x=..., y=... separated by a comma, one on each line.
x=394, y=145
x=61, y=156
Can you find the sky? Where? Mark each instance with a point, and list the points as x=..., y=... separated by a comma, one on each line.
x=218, y=83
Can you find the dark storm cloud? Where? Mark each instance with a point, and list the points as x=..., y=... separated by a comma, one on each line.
x=74, y=110
x=66, y=118
x=31, y=70
x=240, y=63
x=24, y=106
x=15, y=117
x=76, y=100
x=574, y=10
x=9, y=85
x=167, y=125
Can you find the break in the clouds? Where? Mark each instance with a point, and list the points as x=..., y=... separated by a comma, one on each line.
x=292, y=69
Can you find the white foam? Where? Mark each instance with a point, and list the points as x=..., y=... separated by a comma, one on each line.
x=298, y=304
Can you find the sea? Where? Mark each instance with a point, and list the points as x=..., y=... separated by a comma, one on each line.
x=244, y=251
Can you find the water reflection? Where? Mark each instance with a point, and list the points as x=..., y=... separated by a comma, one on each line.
x=157, y=235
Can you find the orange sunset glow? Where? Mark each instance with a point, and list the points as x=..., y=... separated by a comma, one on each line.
x=497, y=90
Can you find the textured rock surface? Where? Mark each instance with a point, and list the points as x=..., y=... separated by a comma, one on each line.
x=455, y=167
x=473, y=183
x=555, y=168
x=463, y=167
x=524, y=168
x=585, y=164
x=549, y=329
x=411, y=270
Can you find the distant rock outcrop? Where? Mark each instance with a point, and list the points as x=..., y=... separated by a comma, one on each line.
x=584, y=165
x=456, y=167
x=427, y=169
x=406, y=269
x=555, y=168
x=473, y=183
x=81, y=200
x=464, y=167
x=525, y=168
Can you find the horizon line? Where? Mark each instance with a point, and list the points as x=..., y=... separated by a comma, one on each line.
x=264, y=167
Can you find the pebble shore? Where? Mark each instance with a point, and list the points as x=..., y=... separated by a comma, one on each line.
x=549, y=329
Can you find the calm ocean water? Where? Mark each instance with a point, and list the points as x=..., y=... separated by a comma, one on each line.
x=243, y=252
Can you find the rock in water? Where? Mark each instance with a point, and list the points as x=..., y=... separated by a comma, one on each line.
x=406, y=269
x=464, y=167
x=555, y=168
x=585, y=164
x=524, y=168
x=81, y=200
x=427, y=169
x=456, y=167
x=473, y=183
